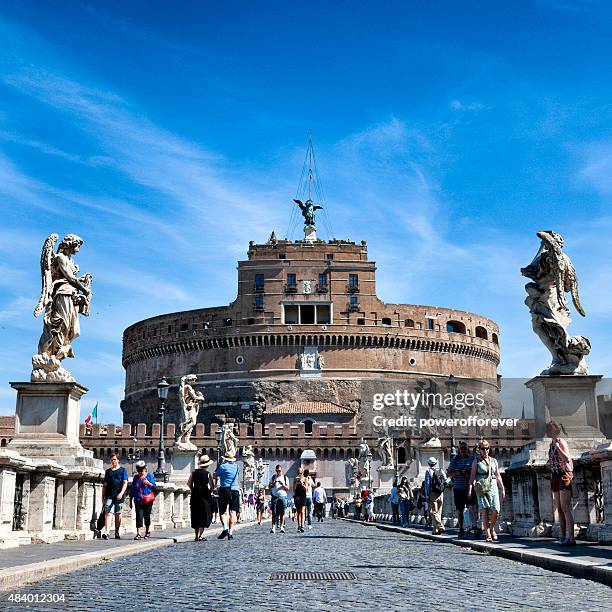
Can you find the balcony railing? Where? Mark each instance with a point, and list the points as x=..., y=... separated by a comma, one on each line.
x=259, y=288
x=352, y=288
x=322, y=288
x=353, y=307
x=291, y=288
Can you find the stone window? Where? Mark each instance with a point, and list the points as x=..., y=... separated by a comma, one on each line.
x=409, y=323
x=481, y=332
x=430, y=324
x=386, y=321
x=361, y=321
x=495, y=338
x=259, y=282
x=251, y=321
x=184, y=327
x=354, y=300
x=455, y=327
x=259, y=300
x=227, y=321
x=323, y=279
x=291, y=280
x=353, y=281
x=292, y=314
x=169, y=329
x=307, y=314
x=308, y=426
x=401, y=454
x=329, y=256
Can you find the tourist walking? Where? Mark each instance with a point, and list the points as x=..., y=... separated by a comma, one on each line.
x=562, y=474
x=299, y=498
x=486, y=481
x=201, y=485
x=358, y=502
x=214, y=502
x=394, y=501
x=142, y=493
x=319, y=497
x=260, y=505
x=434, y=485
x=404, y=495
x=114, y=487
x=309, y=503
x=279, y=486
x=229, y=494
x=459, y=470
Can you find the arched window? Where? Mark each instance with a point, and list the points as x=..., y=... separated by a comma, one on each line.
x=308, y=426
x=409, y=323
x=292, y=454
x=386, y=321
x=455, y=327
x=284, y=453
x=401, y=454
x=341, y=454
x=326, y=453
x=481, y=332
x=333, y=453
x=495, y=338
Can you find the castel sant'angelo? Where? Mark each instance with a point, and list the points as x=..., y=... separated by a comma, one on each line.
x=298, y=358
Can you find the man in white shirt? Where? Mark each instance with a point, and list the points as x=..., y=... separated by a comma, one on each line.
x=279, y=485
x=320, y=499
x=309, y=489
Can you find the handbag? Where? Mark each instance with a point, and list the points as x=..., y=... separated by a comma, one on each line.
x=147, y=499
x=483, y=486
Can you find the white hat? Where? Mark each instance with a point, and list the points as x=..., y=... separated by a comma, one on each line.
x=432, y=461
x=204, y=461
x=229, y=457
x=141, y=464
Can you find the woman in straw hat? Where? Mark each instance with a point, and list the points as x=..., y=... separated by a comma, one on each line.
x=200, y=484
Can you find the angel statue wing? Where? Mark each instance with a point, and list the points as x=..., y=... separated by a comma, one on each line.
x=45, y=271
x=558, y=262
x=571, y=286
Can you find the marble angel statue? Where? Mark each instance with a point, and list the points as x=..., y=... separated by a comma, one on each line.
x=191, y=401
x=553, y=276
x=64, y=296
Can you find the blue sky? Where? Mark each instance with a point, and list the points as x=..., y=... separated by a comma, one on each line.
x=169, y=135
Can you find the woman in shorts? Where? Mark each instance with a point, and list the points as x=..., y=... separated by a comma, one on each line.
x=562, y=474
x=260, y=505
x=299, y=498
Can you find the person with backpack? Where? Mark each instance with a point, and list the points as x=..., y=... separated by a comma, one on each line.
x=142, y=493
x=279, y=486
x=434, y=485
x=229, y=493
x=113, y=495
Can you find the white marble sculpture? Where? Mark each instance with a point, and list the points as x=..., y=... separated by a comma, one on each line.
x=353, y=465
x=190, y=400
x=385, y=449
x=364, y=463
x=553, y=276
x=229, y=441
x=64, y=295
x=261, y=471
x=248, y=462
x=320, y=361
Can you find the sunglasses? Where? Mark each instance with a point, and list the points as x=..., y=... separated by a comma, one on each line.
x=485, y=448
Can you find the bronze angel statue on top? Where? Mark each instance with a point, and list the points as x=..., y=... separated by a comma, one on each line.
x=64, y=295
x=308, y=209
x=553, y=276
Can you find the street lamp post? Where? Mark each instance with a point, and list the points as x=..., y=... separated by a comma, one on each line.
x=162, y=393
x=369, y=457
x=452, y=386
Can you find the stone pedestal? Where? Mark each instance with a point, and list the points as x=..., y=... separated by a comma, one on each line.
x=47, y=424
x=183, y=463
x=385, y=479
x=431, y=448
x=310, y=233
x=571, y=401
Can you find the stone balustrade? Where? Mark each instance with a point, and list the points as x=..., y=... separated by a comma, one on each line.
x=42, y=501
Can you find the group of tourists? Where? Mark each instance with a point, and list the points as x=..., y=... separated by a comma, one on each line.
x=478, y=490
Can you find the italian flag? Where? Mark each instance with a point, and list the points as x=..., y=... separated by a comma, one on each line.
x=92, y=415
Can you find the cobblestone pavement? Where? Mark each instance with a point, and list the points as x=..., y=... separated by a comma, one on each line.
x=394, y=572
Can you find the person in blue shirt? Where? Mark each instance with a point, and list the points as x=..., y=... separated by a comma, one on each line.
x=113, y=495
x=142, y=492
x=229, y=493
